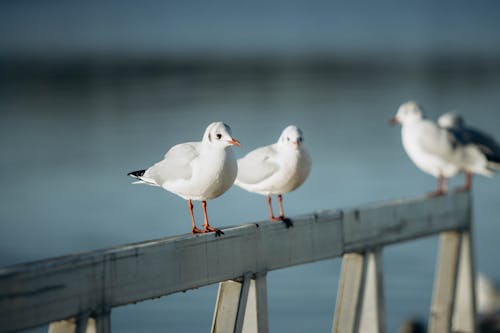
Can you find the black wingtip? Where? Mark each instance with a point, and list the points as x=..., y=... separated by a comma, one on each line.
x=136, y=174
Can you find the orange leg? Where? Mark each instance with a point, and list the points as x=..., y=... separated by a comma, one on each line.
x=271, y=215
x=194, y=229
x=442, y=187
x=207, y=227
x=280, y=201
x=468, y=183
x=282, y=217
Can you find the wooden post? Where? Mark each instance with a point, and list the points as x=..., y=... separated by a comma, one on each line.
x=242, y=304
x=350, y=292
x=84, y=324
x=103, y=322
x=231, y=305
x=256, y=316
x=443, y=296
x=373, y=308
x=464, y=315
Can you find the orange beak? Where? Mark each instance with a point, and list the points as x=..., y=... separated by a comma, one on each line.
x=393, y=121
x=234, y=142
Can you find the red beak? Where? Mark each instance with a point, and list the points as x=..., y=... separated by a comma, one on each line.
x=393, y=121
x=234, y=142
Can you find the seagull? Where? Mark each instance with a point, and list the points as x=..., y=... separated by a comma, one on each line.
x=488, y=158
x=197, y=171
x=427, y=144
x=276, y=169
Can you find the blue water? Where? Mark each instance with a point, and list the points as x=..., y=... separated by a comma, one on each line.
x=67, y=146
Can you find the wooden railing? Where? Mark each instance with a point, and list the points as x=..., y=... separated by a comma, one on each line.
x=76, y=293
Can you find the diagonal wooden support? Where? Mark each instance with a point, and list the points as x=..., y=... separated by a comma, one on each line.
x=360, y=299
x=242, y=306
x=256, y=318
x=464, y=314
x=443, y=296
x=349, y=297
x=84, y=324
x=373, y=308
x=103, y=322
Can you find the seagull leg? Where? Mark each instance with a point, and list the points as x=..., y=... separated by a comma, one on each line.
x=194, y=229
x=468, y=183
x=207, y=227
x=271, y=215
x=282, y=217
x=442, y=187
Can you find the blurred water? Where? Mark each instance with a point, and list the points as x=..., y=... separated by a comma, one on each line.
x=67, y=146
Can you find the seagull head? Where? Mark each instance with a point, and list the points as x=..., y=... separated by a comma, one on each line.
x=219, y=134
x=451, y=120
x=407, y=112
x=291, y=137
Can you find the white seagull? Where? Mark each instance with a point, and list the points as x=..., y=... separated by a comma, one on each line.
x=427, y=144
x=488, y=159
x=196, y=170
x=276, y=169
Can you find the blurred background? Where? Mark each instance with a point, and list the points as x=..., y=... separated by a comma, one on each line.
x=91, y=90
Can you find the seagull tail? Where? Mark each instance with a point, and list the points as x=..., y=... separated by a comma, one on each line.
x=494, y=166
x=136, y=174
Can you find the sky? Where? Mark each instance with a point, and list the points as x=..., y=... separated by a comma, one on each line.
x=410, y=28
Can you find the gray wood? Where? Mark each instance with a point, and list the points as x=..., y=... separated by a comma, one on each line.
x=226, y=307
x=256, y=315
x=443, y=296
x=373, y=308
x=464, y=315
x=37, y=293
x=63, y=326
x=103, y=322
x=261, y=304
x=242, y=304
x=82, y=323
x=350, y=293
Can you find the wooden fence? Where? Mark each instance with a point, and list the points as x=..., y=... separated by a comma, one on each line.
x=76, y=293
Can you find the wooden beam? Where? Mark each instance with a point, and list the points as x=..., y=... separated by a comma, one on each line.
x=373, y=308
x=350, y=293
x=464, y=315
x=256, y=315
x=37, y=293
x=443, y=296
x=226, y=307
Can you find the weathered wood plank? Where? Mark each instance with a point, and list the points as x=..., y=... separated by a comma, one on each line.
x=242, y=304
x=350, y=293
x=404, y=220
x=41, y=292
x=464, y=315
x=256, y=315
x=443, y=295
x=373, y=308
x=226, y=307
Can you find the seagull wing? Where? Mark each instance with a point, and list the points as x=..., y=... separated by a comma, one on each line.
x=435, y=140
x=257, y=165
x=177, y=164
x=485, y=143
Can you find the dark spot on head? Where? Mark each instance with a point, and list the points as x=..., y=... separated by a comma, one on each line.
x=209, y=137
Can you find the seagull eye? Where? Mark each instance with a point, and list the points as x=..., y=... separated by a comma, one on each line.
x=300, y=139
x=218, y=136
